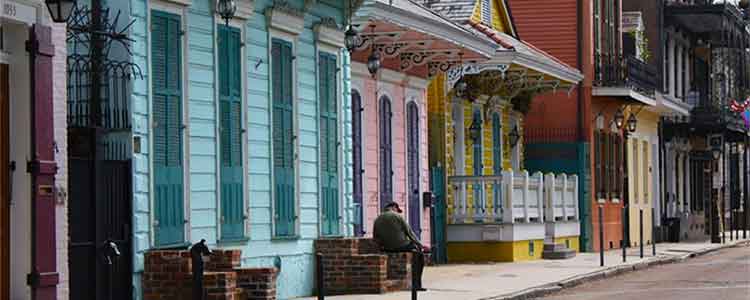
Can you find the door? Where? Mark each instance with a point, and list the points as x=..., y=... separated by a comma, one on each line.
x=284, y=139
x=231, y=132
x=329, y=144
x=412, y=153
x=357, y=170
x=166, y=45
x=386, y=152
x=5, y=193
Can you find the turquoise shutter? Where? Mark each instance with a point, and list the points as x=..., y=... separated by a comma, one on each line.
x=479, y=201
x=328, y=143
x=283, y=138
x=166, y=79
x=497, y=163
x=231, y=132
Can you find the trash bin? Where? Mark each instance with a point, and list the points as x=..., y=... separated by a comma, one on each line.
x=673, y=230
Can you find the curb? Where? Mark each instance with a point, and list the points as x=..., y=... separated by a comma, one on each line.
x=547, y=289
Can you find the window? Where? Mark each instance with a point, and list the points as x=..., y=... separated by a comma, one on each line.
x=329, y=142
x=645, y=172
x=608, y=164
x=166, y=81
x=598, y=159
x=357, y=167
x=231, y=133
x=284, y=137
x=487, y=12
x=386, y=152
x=635, y=163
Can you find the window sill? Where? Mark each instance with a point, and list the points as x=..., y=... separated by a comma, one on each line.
x=233, y=241
x=285, y=238
x=175, y=246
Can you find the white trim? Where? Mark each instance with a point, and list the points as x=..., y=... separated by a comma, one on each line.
x=283, y=20
x=185, y=134
x=624, y=92
x=534, y=62
x=237, y=24
x=670, y=104
x=293, y=39
x=328, y=35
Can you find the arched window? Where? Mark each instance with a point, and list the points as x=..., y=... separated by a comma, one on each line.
x=386, y=152
x=412, y=152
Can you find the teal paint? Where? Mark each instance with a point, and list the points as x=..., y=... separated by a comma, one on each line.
x=203, y=163
x=329, y=143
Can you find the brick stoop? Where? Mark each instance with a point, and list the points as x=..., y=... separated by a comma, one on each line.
x=168, y=275
x=358, y=266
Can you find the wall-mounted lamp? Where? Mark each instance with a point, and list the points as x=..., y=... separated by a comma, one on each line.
x=226, y=9
x=619, y=118
x=513, y=137
x=60, y=10
x=632, y=123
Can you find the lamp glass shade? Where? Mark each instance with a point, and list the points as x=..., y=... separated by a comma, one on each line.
x=352, y=39
x=716, y=153
x=373, y=63
x=461, y=87
x=60, y=10
x=619, y=118
x=226, y=8
x=513, y=136
x=632, y=123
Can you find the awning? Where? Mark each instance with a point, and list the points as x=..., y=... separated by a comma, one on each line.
x=420, y=40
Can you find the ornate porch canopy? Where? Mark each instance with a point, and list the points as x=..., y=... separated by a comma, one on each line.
x=415, y=40
x=516, y=67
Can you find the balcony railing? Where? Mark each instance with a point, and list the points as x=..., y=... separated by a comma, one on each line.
x=513, y=198
x=628, y=72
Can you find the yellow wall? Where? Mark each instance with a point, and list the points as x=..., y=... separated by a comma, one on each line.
x=499, y=20
x=461, y=252
x=640, y=166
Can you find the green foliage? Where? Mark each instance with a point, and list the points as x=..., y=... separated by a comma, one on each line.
x=642, y=44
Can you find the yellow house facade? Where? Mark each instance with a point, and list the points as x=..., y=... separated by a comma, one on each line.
x=643, y=178
x=496, y=211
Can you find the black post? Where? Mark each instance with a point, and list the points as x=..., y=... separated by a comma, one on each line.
x=196, y=254
x=653, y=232
x=601, y=236
x=640, y=229
x=319, y=282
x=413, y=277
x=622, y=241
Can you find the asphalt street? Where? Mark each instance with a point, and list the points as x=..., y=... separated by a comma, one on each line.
x=721, y=275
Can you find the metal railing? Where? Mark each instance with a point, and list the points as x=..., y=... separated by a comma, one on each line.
x=629, y=71
x=513, y=197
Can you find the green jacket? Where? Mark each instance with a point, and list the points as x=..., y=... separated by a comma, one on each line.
x=392, y=232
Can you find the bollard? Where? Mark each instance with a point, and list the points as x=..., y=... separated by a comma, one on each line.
x=622, y=241
x=414, y=258
x=196, y=254
x=731, y=223
x=653, y=232
x=640, y=229
x=601, y=236
x=319, y=282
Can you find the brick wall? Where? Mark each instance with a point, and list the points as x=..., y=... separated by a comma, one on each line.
x=168, y=275
x=357, y=266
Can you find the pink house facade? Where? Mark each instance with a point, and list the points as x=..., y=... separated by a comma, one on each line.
x=406, y=96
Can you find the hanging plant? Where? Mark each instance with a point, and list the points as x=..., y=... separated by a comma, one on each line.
x=641, y=40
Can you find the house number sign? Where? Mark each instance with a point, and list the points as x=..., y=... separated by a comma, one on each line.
x=18, y=12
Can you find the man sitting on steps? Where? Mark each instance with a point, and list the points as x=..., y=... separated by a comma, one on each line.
x=393, y=234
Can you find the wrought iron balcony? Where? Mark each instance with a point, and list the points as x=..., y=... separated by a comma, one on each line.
x=704, y=16
x=626, y=72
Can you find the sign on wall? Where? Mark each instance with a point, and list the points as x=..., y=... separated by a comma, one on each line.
x=23, y=13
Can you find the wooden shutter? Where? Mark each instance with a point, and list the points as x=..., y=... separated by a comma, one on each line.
x=606, y=157
x=284, y=138
x=357, y=170
x=231, y=133
x=166, y=76
x=598, y=164
x=329, y=144
x=386, y=150
x=412, y=153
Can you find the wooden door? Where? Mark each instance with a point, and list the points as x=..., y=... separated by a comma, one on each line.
x=386, y=152
x=357, y=171
x=412, y=151
x=166, y=63
x=4, y=183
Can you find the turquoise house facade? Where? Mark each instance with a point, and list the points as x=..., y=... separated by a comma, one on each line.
x=241, y=132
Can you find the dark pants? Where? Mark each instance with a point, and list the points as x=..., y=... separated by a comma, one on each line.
x=417, y=262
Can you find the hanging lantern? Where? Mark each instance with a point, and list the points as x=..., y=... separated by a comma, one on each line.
x=619, y=118
x=475, y=131
x=513, y=137
x=352, y=40
x=226, y=9
x=632, y=123
x=460, y=87
x=60, y=10
x=373, y=63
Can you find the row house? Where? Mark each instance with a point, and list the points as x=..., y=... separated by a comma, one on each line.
x=33, y=160
x=496, y=207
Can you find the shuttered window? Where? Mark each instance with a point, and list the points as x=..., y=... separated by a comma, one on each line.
x=329, y=143
x=231, y=132
x=412, y=156
x=166, y=80
x=358, y=170
x=284, y=138
x=598, y=165
x=386, y=152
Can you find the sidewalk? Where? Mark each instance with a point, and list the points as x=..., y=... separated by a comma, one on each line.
x=519, y=280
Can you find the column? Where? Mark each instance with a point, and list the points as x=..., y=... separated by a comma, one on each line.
x=688, y=69
x=678, y=77
x=671, y=68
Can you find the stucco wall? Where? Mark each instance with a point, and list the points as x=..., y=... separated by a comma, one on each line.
x=295, y=255
x=59, y=92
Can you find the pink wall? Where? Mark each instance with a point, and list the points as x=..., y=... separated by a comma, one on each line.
x=399, y=89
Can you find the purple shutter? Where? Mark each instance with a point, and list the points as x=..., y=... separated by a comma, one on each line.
x=357, y=161
x=386, y=158
x=43, y=167
x=412, y=131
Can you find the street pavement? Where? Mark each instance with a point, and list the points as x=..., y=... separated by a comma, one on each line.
x=721, y=275
x=520, y=280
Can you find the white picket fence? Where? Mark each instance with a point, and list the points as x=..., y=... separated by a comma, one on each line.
x=513, y=197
